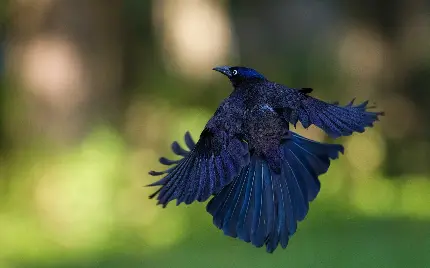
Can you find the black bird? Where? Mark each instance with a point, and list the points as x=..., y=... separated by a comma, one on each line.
x=262, y=175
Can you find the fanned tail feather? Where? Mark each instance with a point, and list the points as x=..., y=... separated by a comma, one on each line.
x=202, y=171
x=263, y=207
x=335, y=120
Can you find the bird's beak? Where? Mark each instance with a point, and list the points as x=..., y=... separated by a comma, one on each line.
x=224, y=70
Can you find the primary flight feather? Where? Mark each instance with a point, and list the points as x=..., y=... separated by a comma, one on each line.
x=261, y=175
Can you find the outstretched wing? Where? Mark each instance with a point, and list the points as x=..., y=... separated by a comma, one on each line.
x=334, y=119
x=205, y=169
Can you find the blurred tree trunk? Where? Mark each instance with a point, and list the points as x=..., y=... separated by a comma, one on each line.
x=65, y=58
x=405, y=27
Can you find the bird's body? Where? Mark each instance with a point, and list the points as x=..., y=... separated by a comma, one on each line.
x=244, y=114
x=262, y=175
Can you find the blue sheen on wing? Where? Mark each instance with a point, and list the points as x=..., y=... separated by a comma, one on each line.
x=204, y=170
x=335, y=120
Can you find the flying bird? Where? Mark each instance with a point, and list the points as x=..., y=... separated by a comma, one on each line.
x=260, y=174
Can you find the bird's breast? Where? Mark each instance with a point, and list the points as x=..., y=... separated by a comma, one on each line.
x=264, y=127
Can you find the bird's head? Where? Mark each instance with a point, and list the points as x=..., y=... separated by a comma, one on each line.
x=239, y=74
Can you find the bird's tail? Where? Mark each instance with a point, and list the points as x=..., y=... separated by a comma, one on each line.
x=262, y=206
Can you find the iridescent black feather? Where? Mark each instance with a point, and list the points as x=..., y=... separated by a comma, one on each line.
x=203, y=170
x=263, y=207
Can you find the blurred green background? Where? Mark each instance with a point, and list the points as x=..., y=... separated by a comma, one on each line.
x=92, y=92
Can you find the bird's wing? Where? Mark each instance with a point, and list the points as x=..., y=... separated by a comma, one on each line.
x=205, y=169
x=335, y=120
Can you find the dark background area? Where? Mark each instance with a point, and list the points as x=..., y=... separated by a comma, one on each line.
x=92, y=93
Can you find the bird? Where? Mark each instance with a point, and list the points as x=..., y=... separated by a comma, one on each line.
x=260, y=175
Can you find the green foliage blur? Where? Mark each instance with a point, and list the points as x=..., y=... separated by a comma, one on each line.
x=91, y=95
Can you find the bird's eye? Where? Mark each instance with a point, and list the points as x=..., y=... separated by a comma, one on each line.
x=234, y=72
